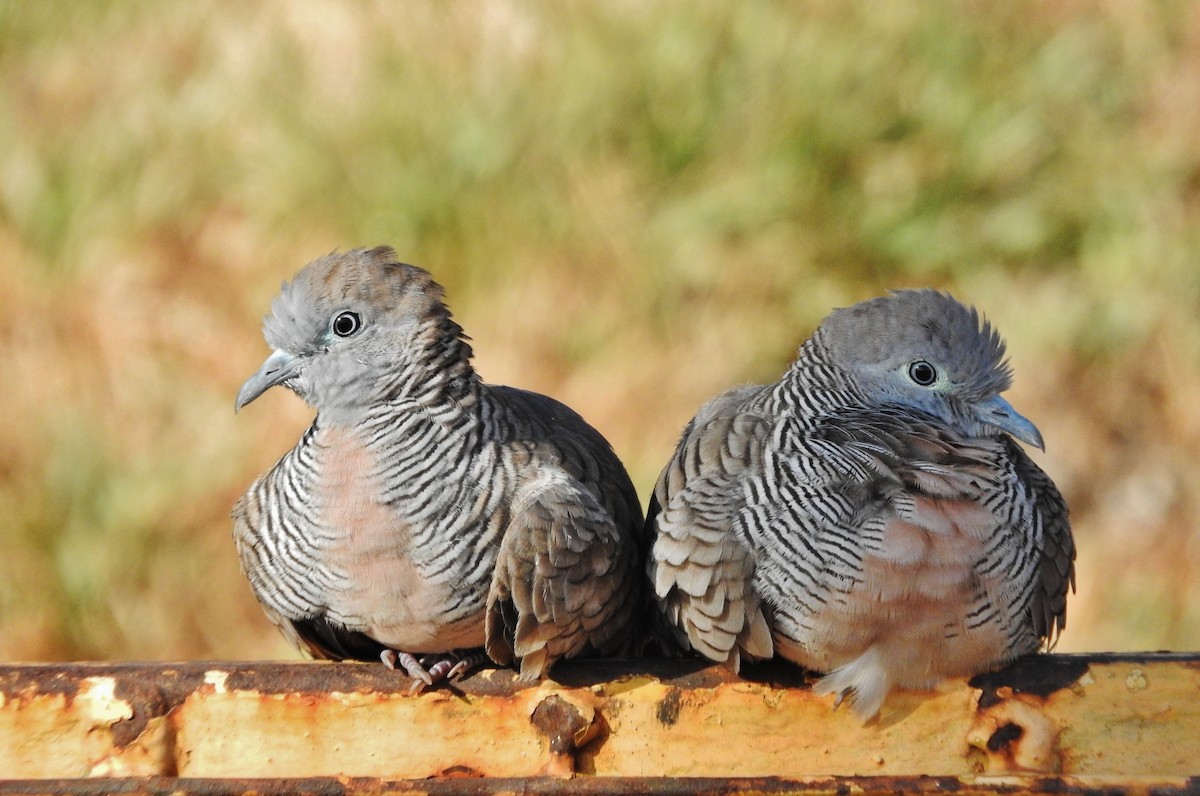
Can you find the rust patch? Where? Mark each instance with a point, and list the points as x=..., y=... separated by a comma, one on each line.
x=667, y=712
x=147, y=701
x=681, y=672
x=1004, y=736
x=274, y=678
x=24, y=680
x=1038, y=675
x=366, y=677
x=461, y=772
x=567, y=730
x=560, y=722
x=1015, y=735
x=151, y=691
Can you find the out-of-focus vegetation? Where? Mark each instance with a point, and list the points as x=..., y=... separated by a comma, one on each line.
x=633, y=206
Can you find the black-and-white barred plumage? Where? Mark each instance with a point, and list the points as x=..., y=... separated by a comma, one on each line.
x=425, y=511
x=868, y=515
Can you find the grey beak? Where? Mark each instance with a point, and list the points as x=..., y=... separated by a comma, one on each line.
x=278, y=368
x=998, y=412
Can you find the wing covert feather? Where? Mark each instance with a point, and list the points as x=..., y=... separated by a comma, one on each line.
x=700, y=566
x=563, y=583
x=1048, y=610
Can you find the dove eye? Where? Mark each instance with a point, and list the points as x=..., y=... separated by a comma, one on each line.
x=922, y=373
x=347, y=324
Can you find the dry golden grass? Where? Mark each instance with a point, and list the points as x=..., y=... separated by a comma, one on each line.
x=632, y=207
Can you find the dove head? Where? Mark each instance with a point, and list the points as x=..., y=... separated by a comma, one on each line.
x=925, y=350
x=356, y=328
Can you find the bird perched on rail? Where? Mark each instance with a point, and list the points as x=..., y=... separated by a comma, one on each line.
x=870, y=515
x=425, y=514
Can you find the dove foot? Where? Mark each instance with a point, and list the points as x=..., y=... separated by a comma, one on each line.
x=433, y=668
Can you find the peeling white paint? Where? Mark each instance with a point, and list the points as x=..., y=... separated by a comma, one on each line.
x=216, y=678
x=99, y=700
x=1136, y=680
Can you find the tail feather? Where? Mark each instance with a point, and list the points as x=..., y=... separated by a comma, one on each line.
x=864, y=681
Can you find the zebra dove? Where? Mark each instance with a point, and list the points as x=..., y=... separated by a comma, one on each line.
x=869, y=515
x=425, y=513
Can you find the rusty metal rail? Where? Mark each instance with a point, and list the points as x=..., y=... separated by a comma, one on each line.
x=1049, y=724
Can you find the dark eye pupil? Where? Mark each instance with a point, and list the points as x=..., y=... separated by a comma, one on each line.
x=922, y=373
x=346, y=324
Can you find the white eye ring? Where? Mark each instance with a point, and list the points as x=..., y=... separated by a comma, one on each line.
x=922, y=373
x=347, y=324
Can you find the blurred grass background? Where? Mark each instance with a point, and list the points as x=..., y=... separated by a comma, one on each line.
x=633, y=206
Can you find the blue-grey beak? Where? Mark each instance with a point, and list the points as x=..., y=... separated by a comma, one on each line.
x=996, y=411
x=278, y=368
